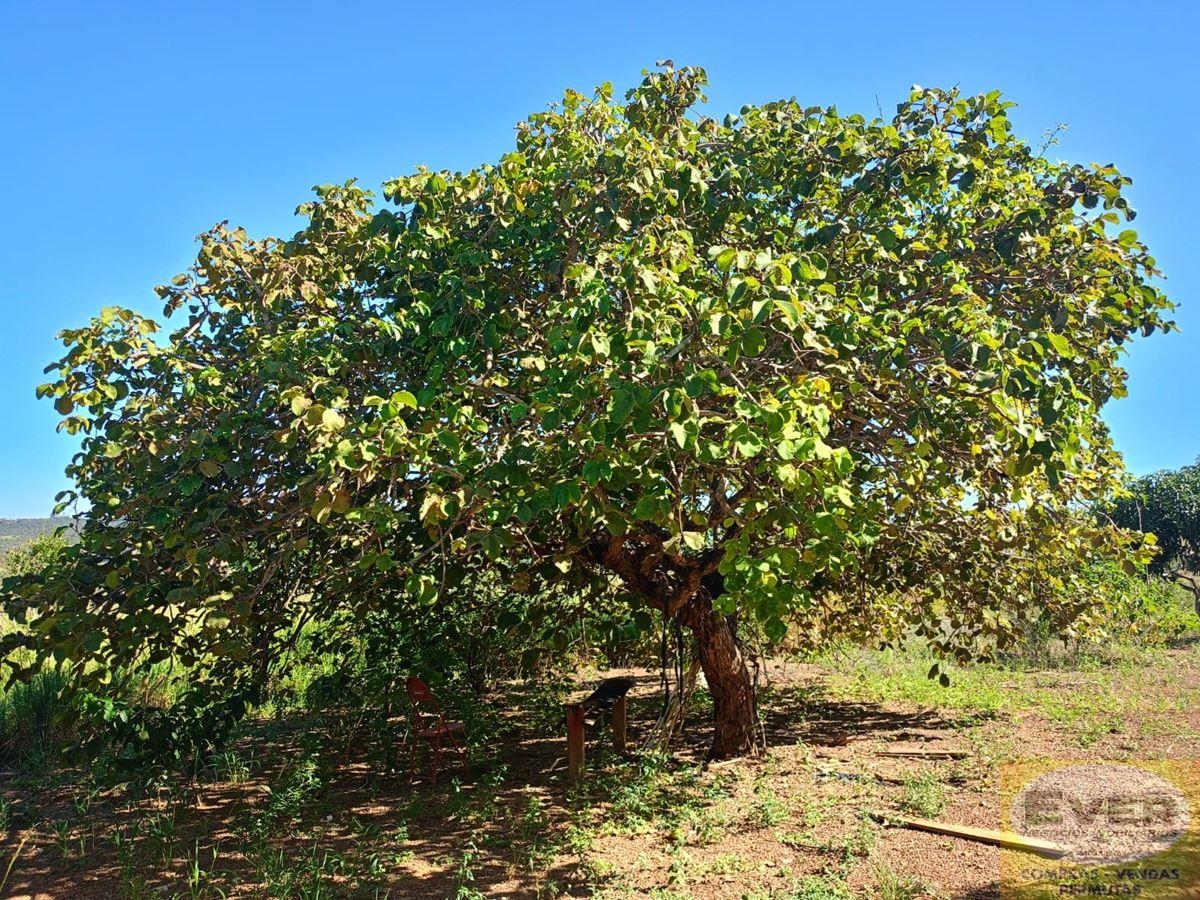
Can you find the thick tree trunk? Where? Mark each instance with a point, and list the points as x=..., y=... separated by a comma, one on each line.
x=687, y=588
x=728, y=678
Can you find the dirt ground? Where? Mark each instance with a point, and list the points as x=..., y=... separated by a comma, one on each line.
x=796, y=823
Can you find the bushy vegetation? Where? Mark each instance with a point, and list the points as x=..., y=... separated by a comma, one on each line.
x=19, y=532
x=1167, y=505
x=351, y=670
x=31, y=712
x=32, y=555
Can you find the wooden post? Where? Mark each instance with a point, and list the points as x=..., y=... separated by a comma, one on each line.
x=574, y=741
x=619, y=715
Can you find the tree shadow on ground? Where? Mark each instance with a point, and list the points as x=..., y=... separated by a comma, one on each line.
x=986, y=892
x=363, y=830
x=1183, y=642
x=805, y=714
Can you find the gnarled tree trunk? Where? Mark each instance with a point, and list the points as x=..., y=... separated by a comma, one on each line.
x=687, y=587
x=728, y=678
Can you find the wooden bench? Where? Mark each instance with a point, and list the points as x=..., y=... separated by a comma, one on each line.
x=608, y=697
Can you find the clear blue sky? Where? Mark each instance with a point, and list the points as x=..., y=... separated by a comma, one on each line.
x=127, y=129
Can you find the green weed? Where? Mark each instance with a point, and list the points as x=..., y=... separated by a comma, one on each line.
x=924, y=794
x=889, y=885
x=768, y=809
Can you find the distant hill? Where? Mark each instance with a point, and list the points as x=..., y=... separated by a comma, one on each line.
x=15, y=532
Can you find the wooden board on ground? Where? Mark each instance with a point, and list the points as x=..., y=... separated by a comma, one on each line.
x=923, y=752
x=1008, y=839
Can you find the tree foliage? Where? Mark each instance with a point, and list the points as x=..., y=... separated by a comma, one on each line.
x=34, y=555
x=1167, y=505
x=16, y=532
x=794, y=366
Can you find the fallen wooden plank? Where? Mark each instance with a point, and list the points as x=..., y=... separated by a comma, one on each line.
x=1008, y=839
x=923, y=752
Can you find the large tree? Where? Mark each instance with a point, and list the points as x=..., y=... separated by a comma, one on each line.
x=798, y=367
x=1167, y=505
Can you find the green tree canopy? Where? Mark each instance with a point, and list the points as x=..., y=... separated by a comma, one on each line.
x=1167, y=504
x=796, y=366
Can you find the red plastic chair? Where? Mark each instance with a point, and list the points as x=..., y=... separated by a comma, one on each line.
x=429, y=724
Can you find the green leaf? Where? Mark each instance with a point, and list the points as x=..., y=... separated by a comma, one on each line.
x=647, y=508
x=600, y=344
x=1060, y=344
x=754, y=341
x=679, y=433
